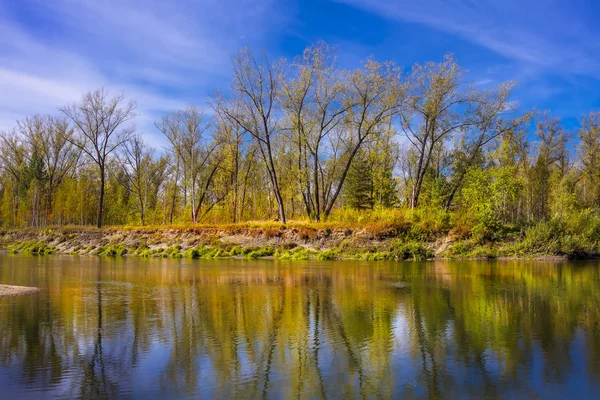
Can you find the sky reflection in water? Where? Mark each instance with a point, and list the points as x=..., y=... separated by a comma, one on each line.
x=138, y=328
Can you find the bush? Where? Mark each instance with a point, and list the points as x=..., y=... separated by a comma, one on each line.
x=261, y=252
x=33, y=248
x=298, y=253
x=327, y=255
x=429, y=222
x=413, y=251
x=112, y=250
x=204, y=252
x=574, y=237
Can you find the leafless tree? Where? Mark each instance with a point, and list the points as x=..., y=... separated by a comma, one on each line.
x=376, y=94
x=194, y=143
x=51, y=138
x=100, y=129
x=315, y=103
x=434, y=110
x=256, y=86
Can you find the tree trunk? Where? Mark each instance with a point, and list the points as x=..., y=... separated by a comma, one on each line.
x=317, y=189
x=101, y=198
x=172, y=211
x=338, y=190
x=275, y=182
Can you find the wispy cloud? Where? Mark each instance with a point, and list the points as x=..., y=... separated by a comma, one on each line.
x=165, y=54
x=551, y=34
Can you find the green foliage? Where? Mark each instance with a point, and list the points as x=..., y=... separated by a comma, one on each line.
x=471, y=249
x=261, y=252
x=327, y=255
x=32, y=248
x=416, y=251
x=484, y=196
x=577, y=236
x=206, y=252
x=112, y=250
x=428, y=222
x=358, y=188
x=298, y=253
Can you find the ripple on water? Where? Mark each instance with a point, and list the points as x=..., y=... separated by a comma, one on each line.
x=252, y=329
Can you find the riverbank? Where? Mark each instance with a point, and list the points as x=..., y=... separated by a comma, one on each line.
x=9, y=290
x=296, y=241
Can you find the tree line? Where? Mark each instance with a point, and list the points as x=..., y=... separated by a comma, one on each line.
x=304, y=139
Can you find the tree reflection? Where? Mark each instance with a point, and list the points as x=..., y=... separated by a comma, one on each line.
x=245, y=330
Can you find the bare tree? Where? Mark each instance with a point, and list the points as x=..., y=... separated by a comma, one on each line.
x=315, y=103
x=99, y=123
x=238, y=158
x=13, y=158
x=193, y=142
x=437, y=107
x=170, y=126
x=376, y=94
x=137, y=163
x=51, y=138
x=256, y=85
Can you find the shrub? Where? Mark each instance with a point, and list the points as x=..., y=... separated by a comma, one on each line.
x=203, y=252
x=33, y=248
x=261, y=252
x=431, y=222
x=112, y=250
x=298, y=253
x=574, y=237
x=413, y=251
x=327, y=255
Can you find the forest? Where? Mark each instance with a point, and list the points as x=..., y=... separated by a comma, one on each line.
x=306, y=140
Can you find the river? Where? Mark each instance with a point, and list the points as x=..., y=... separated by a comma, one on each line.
x=234, y=329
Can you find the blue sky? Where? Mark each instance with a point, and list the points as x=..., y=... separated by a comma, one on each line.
x=168, y=54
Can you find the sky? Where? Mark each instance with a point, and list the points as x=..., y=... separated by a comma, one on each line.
x=169, y=54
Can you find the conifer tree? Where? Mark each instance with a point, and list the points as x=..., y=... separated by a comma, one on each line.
x=358, y=192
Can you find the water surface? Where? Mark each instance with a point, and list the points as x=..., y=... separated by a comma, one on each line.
x=233, y=329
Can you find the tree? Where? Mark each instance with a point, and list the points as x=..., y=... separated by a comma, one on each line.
x=14, y=158
x=437, y=107
x=589, y=155
x=359, y=188
x=491, y=110
x=51, y=139
x=99, y=123
x=257, y=87
x=383, y=155
x=551, y=163
x=377, y=94
x=138, y=167
x=315, y=103
x=238, y=161
x=194, y=143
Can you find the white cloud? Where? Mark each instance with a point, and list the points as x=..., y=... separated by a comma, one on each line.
x=164, y=54
x=550, y=34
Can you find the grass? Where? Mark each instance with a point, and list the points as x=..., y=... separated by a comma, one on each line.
x=397, y=234
x=111, y=250
x=472, y=249
x=32, y=248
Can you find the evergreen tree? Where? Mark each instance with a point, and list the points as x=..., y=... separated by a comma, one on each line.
x=358, y=188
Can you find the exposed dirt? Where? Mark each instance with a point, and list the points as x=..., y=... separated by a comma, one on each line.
x=346, y=241
x=84, y=241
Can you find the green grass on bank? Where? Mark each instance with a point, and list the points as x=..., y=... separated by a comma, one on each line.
x=397, y=234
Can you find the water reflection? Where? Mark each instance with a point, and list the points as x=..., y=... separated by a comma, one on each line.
x=103, y=328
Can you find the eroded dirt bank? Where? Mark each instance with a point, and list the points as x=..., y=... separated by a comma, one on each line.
x=283, y=242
